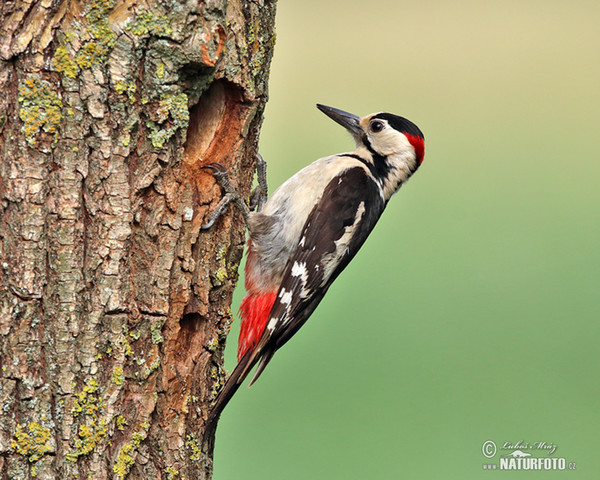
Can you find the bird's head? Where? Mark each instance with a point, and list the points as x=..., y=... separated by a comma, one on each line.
x=391, y=146
x=382, y=134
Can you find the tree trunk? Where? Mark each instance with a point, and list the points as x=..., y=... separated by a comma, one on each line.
x=114, y=305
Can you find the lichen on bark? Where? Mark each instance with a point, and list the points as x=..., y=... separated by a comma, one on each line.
x=114, y=305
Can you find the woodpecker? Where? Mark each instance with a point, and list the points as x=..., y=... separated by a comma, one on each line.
x=308, y=231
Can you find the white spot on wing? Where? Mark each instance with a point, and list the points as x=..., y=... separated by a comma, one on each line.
x=299, y=270
x=272, y=324
x=286, y=297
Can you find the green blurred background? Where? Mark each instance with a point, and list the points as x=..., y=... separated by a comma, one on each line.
x=471, y=313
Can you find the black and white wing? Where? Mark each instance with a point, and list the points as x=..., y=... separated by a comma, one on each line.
x=333, y=233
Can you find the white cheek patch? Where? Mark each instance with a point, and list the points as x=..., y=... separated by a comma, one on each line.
x=390, y=142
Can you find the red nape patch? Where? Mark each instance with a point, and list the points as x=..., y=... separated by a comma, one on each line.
x=254, y=310
x=419, y=146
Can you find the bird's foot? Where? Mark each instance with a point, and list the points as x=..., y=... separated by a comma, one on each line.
x=258, y=197
x=231, y=195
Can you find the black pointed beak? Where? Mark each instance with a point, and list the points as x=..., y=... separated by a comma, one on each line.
x=345, y=119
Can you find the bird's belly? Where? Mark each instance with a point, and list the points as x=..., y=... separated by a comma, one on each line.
x=276, y=231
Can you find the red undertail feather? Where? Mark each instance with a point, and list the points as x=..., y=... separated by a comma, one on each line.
x=254, y=311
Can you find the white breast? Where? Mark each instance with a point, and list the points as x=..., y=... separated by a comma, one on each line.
x=293, y=201
x=288, y=209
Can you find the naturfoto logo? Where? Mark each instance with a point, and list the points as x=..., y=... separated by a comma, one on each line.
x=524, y=455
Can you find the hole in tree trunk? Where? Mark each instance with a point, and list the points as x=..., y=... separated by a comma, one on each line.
x=214, y=128
x=191, y=322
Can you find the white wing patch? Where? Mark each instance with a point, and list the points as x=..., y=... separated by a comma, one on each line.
x=299, y=270
x=272, y=324
x=285, y=297
x=341, y=245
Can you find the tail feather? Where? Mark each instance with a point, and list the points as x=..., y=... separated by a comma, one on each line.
x=231, y=386
x=264, y=360
x=254, y=311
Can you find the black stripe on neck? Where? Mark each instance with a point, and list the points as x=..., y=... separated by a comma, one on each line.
x=379, y=167
x=365, y=162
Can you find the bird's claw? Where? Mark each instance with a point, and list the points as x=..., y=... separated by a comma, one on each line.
x=215, y=166
x=259, y=195
x=217, y=169
x=219, y=172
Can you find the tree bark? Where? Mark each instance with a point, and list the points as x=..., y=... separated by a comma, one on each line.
x=114, y=305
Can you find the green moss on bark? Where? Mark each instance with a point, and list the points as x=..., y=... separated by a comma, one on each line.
x=93, y=429
x=32, y=441
x=40, y=108
x=171, y=115
x=64, y=62
x=148, y=23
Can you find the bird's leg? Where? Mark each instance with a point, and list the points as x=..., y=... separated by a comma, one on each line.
x=257, y=197
x=231, y=195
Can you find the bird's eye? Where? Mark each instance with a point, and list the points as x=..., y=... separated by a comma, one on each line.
x=376, y=126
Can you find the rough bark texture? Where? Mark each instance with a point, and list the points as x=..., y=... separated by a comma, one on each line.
x=114, y=305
